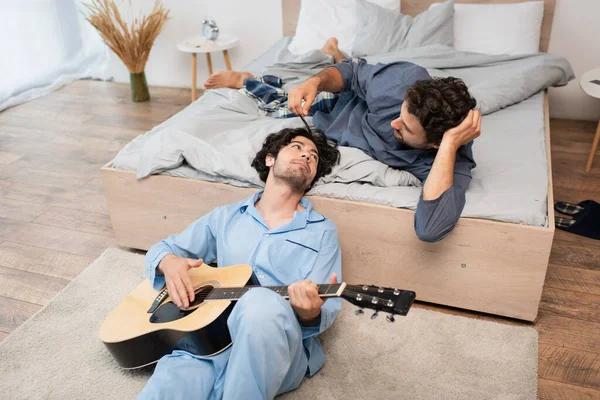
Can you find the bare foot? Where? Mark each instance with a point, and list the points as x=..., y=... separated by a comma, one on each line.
x=331, y=47
x=228, y=79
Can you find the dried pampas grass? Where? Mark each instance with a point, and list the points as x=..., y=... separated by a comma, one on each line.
x=131, y=42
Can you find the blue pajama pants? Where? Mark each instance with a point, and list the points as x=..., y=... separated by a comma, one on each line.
x=267, y=357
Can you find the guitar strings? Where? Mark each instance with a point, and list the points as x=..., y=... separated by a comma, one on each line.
x=242, y=290
x=204, y=295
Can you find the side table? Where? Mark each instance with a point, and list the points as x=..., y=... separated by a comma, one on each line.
x=590, y=83
x=197, y=45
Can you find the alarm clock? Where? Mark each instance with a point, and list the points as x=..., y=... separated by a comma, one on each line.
x=210, y=29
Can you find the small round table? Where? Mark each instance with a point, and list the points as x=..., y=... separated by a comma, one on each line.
x=198, y=44
x=590, y=83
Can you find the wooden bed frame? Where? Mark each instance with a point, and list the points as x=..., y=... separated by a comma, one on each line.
x=483, y=265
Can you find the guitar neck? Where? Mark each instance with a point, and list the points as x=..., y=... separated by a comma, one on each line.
x=234, y=293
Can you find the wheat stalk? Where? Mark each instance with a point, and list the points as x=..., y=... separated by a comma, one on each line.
x=132, y=43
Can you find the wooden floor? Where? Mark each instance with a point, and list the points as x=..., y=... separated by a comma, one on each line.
x=54, y=221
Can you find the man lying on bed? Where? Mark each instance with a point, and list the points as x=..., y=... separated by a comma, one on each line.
x=430, y=134
x=286, y=242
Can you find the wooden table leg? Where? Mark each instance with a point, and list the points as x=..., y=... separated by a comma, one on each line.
x=594, y=147
x=227, y=61
x=209, y=63
x=193, y=76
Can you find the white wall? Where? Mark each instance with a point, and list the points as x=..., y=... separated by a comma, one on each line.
x=575, y=35
x=256, y=22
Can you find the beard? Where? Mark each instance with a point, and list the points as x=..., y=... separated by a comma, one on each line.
x=412, y=146
x=293, y=176
x=401, y=140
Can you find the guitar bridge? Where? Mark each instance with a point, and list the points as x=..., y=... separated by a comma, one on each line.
x=158, y=300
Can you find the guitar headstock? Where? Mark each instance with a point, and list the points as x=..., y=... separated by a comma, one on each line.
x=393, y=301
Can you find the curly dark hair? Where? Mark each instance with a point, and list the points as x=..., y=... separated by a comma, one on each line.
x=329, y=155
x=439, y=104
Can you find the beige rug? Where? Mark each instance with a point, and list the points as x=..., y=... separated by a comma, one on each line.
x=426, y=355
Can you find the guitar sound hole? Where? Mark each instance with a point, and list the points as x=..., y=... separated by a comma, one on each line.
x=200, y=295
x=170, y=312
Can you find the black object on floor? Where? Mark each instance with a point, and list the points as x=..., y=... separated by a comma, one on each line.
x=585, y=221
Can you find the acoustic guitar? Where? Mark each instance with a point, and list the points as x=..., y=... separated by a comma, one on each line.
x=144, y=327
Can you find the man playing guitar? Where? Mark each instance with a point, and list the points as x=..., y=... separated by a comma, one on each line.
x=277, y=232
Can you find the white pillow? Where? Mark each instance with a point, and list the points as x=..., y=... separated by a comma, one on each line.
x=382, y=31
x=498, y=28
x=321, y=19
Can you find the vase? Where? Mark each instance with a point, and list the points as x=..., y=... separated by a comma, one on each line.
x=139, y=87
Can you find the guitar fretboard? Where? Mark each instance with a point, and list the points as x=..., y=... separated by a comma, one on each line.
x=234, y=293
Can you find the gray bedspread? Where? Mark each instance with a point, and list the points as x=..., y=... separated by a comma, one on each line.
x=216, y=137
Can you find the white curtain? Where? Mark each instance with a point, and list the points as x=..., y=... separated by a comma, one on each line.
x=45, y=44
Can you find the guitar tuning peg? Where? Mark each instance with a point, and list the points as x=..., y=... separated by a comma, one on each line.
x=359, y=311
x=375, y=315
x=390, y=318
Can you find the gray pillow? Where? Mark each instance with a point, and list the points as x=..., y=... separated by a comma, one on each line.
x=383, y=31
